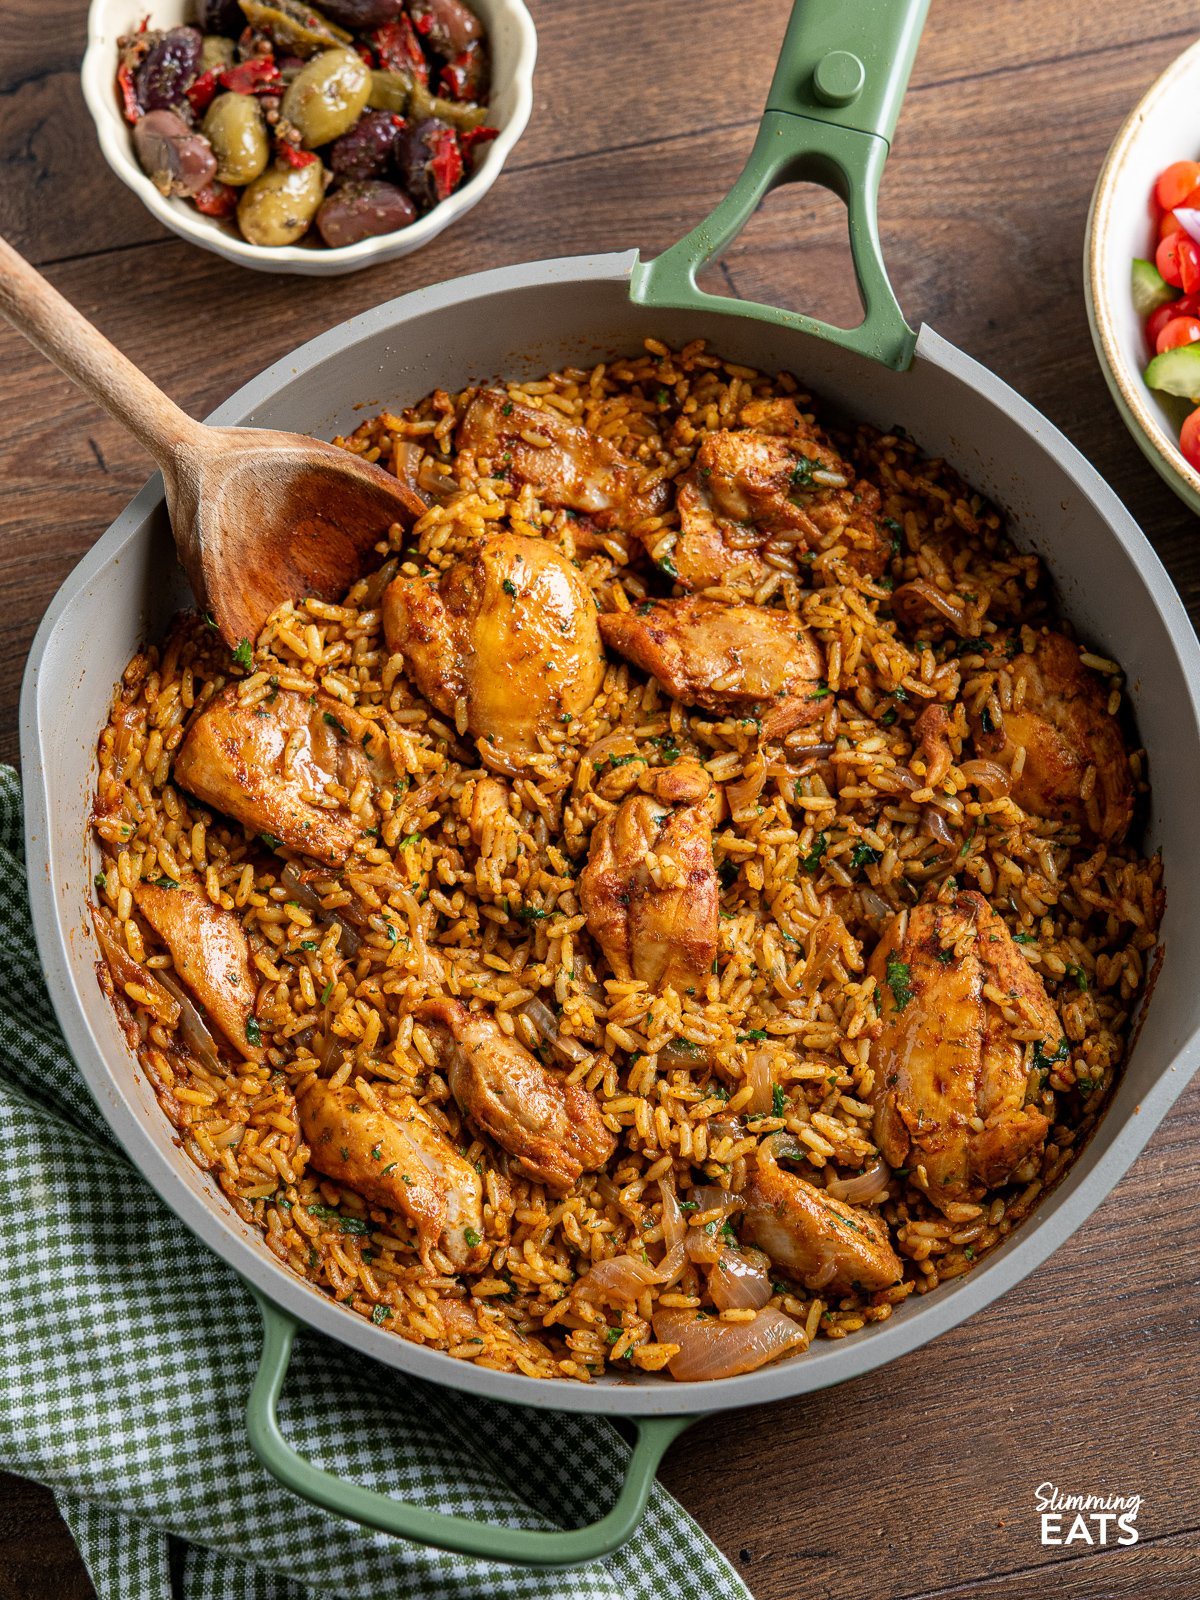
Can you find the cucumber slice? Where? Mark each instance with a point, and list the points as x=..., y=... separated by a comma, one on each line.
x=1177, y=372
x=1150, y=288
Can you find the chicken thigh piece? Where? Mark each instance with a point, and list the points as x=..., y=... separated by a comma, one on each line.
x=397, y=1159
x=210, y=954
x=566, y=465
x=1064, y=727
x=507, y=637
x=725, y=658
x=270, y=765
x=552, y=1128
x=749, y=494
x=650, y=890
x=821, y=1242
x=951, y=1081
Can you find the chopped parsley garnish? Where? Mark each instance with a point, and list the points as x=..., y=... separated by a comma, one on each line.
x=391, y=1167
x=611, y=1335
x=244, y=655
x=253, y=1031
x=812, y=860
x=165, y=883
x=665, y=564
x=380, y=1315
x=208, y=621
x=755, y=1035
x=326, y=992
x=899, y=981
x=1081, y=978
x=506, y=411
x=946, y=954
x=1024, y=938
x=888, y=717
x=410, y=838
x=271, y=842
x=1042, y=1062
x=820, y=691
x=531, y=914
x=623, y=761
x=727, y=872
x=358, y=1225
x=778, y=1103
x=101, y=881
x=864, y=856
x=509, y=588
x=894, y=528
x=802, y=474
x=334, y=723
x=472, y=1237
x=986, y=721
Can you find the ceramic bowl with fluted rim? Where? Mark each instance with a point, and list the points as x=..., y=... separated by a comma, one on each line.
x=1163, y=127
x=512, y=41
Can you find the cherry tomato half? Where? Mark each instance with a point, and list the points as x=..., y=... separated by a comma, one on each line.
x=1188, y=253
x=1166, y=259
x=1170, y=224
x=1176, y=182
x=1189, y=440
x=1157, y=321
x=1180, y=330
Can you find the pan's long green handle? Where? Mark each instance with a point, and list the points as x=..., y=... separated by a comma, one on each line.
x=531, y=1547
x=829, y=119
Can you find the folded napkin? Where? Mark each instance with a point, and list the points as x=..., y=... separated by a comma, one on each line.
x=128, y=1350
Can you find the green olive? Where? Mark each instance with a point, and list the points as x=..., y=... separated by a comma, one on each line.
x=293, y=26
x=216, y=53
x=235, y=128
x=278, y=207
x=389, y=91
x=324, y=99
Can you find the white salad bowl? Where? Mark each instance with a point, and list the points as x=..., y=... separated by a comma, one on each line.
x=512, y=41
x=1163, y=127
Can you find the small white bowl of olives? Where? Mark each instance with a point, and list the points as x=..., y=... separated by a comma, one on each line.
x=309, y=139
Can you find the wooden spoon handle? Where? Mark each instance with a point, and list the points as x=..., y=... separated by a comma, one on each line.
x=59, y=331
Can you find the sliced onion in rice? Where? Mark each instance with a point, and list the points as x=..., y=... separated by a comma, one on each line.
x=349, y=944
x=762, y=1085
x=710, y=1197
x=682, y=1053
x=738, y=1283
x=704, y=1246
x=618, y=743
x=936, y=826
x=191, y=1029
x=709, y=1348
x=864, y=1188
x=726, y=1128
x=674, y=1225
x=921, y=601
x=544, y=1020
x=378, y=582
x=874, y=903
x=624, y=1277
x=747, y=789
x=987, y=775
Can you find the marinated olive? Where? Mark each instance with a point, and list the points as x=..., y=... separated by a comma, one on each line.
x=220, y=16
x=448, y=25
x=216, y=53
x=325, y=97
x=235, y=128
x=167, y=69
x=292, y=26
x=363, y=13
x=364, y=211
x=177, y=160
x=366, y=151
x=429, y=161
x=422, y=104
x=278, y=207
x=389, y=91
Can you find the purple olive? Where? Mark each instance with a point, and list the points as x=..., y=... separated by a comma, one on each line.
x=168, y=69
x=466, y=76
x=363, y=211
x=362, y=13
x=447, y=26
x=178, y=160
x=429, y=160
x=225, y=17
x=366, y=151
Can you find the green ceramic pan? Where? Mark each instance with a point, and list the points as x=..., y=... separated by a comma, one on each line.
x=829, y=118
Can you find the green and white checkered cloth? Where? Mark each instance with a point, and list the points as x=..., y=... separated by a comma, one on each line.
x=128, y=1349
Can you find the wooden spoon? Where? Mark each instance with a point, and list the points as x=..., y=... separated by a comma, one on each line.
x=259, y=516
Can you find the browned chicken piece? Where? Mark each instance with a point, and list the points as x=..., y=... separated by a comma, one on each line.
x=566, y=465
x=650, y=890
x=1064, y=727
x=210, y=954
x=552, y=1128
x=749, y=494
x=951, y=1081
x=270, y=765
x=507, y=637
x=397, y=1159
x=821, y=1242
x=781, y=417
x=725, y=658
x=932, y=729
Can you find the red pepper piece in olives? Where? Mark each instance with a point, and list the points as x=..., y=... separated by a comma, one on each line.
x=363, y=210
x=429, y=161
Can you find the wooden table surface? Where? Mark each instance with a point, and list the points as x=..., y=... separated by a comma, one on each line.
x=916, y=1480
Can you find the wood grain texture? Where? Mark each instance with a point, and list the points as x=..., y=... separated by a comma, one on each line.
x=916, y=1481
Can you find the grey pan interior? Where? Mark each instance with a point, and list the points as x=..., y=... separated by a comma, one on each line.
x=523, y=321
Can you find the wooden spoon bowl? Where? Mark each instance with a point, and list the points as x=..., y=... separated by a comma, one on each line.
x=259, y=516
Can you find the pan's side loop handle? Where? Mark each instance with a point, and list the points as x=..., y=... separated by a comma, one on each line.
x=532, y=1547
x=830, y=116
